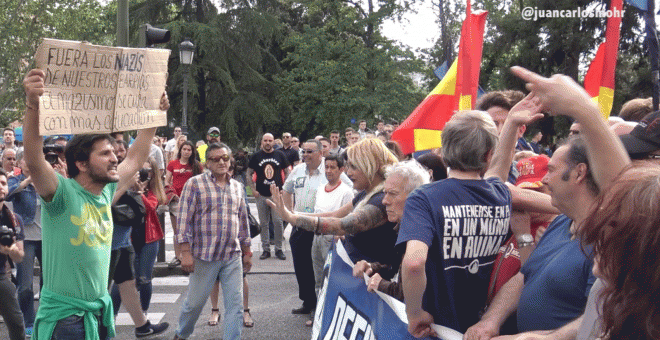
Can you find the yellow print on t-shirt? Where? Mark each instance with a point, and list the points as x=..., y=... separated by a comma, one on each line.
x=93, y=229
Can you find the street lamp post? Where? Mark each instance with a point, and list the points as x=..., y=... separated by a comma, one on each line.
x=186, y=54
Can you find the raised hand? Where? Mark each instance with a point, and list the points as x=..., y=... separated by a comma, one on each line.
x=527, y=110
x=34, y=87
x=164, y=102
x=558, y=95
x=276, y=202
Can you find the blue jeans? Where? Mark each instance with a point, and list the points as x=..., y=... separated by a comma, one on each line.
x=202, y=279
x=24, y=276
x=73, y=328
x=145, y=258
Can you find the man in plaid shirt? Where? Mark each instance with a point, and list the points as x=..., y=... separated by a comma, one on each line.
x=215, y=242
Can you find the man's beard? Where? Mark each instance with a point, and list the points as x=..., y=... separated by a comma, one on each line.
x=102, y=178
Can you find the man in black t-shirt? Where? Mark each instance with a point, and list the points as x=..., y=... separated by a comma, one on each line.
x=268, y=164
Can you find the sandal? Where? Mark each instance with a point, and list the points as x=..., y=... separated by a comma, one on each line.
x=247, y=318
x=215, y=317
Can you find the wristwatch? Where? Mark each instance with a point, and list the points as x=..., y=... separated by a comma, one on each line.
x=525, y=240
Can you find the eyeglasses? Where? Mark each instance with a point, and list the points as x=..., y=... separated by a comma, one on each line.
x=214, y=134
x=308, y=151
x=225, y=158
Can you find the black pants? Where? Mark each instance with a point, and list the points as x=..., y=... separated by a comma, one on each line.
x=301, y=249
x=9, y=308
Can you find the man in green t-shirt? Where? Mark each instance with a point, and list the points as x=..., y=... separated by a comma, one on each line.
x=76, y=222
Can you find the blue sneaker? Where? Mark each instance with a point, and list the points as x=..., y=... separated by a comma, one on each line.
x=28, y=332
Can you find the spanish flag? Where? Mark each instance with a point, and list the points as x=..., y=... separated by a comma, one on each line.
x=599, y=81
x=456, y=91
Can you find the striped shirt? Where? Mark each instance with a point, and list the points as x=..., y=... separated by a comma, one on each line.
x=213, y=218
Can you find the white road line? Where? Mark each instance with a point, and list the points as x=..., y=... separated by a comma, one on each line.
x=124, y=319
x=164, y=298
x=170, y=281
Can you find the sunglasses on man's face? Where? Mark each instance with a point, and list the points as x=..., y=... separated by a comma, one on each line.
x=308, y=151
x=225, y=158
x=214, y=134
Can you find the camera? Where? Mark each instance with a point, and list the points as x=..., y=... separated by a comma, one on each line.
x=6, y=236
x=144, y=175
x=51, y=151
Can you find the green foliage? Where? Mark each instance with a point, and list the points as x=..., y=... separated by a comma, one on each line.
x=311, y=66
x=339, y=68
x=25, y=23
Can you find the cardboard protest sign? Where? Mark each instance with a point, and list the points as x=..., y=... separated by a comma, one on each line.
x=346, y=310
x=100, y=89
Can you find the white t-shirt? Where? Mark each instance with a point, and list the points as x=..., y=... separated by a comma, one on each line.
x=333, y=200
x=170, y=145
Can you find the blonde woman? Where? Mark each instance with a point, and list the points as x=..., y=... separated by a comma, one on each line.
x=368, y=234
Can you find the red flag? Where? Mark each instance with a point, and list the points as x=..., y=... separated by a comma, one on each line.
x=599, y=81
x=457, y=91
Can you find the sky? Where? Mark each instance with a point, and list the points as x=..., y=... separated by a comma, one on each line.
x=417, y=30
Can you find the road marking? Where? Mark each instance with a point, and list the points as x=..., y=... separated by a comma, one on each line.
x=124, y=319
x=170, y=281
x=164, y=298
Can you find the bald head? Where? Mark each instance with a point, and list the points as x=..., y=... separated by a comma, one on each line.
x=9, y=160
x=267, y=142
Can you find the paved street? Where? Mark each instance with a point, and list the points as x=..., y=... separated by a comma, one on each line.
x=273, y=293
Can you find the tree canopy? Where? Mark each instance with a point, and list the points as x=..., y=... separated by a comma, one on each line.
x=312, y=66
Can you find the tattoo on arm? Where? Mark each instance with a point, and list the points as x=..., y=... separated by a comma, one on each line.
x=365, y=218
x=306, y=222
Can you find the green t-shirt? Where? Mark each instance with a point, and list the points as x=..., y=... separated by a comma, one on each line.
x=77, y=235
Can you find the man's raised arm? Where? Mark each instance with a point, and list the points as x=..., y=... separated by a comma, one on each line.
x=42, y=173
x=139, y=151
x=561, y=95
x=525, y=112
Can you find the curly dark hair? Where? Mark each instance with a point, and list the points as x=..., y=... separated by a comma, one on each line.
x=623, y=227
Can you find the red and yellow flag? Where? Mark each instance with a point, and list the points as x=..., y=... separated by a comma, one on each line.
x=599, y=81
x=456, y=91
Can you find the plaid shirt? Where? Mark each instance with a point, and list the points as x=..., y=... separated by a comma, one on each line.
x=213, y=218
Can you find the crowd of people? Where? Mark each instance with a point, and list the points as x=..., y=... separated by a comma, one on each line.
x=492, y=235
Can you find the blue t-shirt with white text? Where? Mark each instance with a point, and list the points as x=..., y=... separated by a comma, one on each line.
x=464, y=223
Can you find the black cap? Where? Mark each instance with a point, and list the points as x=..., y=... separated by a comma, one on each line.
x=645, y=137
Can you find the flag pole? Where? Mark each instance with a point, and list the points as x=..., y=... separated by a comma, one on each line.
x=652, y=40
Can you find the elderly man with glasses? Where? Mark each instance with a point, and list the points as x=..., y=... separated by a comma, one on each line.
x=301, y=186
x=215, y=242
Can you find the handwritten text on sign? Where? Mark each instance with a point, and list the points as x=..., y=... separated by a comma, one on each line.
x=100, y=89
